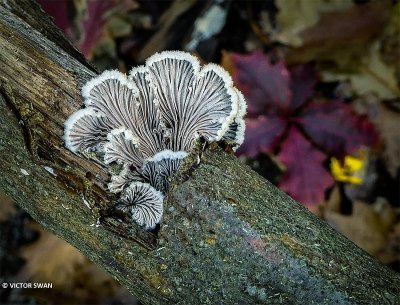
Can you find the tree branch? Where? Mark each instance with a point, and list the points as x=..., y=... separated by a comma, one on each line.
x=227, y=237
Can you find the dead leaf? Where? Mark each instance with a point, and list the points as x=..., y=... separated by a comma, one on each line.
x=161, y=37
x=391, y=253
x=334, y=200
x=75, y=279
x=51, y=260
x=389, y=126
x=296, y=16
x=345, y=39
x=372, y=75
x=342, y=35
x=390, y=42
x=387, y=121
x=7, y=208
x=356, y=45
x=368, y=225
x=227, y=62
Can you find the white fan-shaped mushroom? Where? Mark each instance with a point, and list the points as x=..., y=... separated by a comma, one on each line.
x=149, y=121
x=120, y=103
x=214, y=102
x=172, y=75
x=86, y=130
x=159, y=169
x=122, y=147
x=112, y=95
x=192, y=102
x=144, y=203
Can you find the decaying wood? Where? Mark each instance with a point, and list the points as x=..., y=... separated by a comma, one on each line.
x=228, y=236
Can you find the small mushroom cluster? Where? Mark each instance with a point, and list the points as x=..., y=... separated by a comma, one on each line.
x=148, y=122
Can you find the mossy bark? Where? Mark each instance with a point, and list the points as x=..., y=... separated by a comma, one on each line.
x=227, y=237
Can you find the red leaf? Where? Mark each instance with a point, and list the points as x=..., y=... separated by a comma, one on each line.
x=60, y=11
x=336, y=129
x=265, y=86
x=90, y=26
x=93, y=24
x=262, y=135
x=302, y=84
x=305, y=178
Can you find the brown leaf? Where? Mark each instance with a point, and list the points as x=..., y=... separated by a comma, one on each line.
x=368, y=225
x=339, y=32
x=372, y=66
x=369, y=73
x=161, y=38
x=7, y=208
x=389, y=124
x=391, y=253
x=387, y=121
x=227, y=62
x=51, y=260
x=296, y=16
x=75, y=279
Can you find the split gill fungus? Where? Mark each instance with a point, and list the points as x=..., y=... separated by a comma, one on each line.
x=148, y=121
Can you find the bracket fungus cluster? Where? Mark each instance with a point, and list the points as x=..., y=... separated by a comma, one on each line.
x=148, y=122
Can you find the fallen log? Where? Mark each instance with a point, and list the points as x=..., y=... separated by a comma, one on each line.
x=228, y=236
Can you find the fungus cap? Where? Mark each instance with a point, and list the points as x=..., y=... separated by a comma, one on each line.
x=159, y=169
x=122, y=147
x=86, y=130
x=144, y=203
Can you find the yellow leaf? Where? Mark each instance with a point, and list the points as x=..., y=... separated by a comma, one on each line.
x=351, y=171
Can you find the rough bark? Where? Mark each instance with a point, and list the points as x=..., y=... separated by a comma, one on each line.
x=228, y=236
